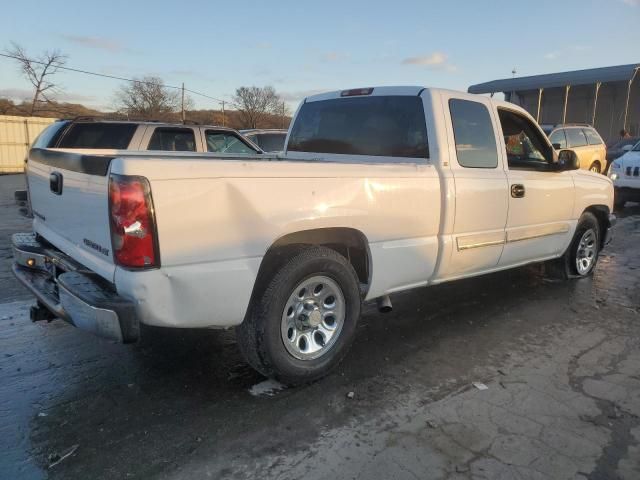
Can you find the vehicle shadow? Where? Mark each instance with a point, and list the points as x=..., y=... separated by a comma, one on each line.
x=182, y=395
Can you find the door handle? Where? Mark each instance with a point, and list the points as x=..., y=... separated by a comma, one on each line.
x=517, y=190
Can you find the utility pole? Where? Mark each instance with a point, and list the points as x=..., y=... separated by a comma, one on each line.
x=183, y=103
x=283, y=115
x=223, y=119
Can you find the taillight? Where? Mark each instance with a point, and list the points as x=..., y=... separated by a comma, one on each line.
x=132, y=221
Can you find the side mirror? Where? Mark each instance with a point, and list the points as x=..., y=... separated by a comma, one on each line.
x=556, y=146
x=568, y=160
x=627, y=148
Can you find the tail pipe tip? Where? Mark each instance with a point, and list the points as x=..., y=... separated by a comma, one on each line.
x=384, y=304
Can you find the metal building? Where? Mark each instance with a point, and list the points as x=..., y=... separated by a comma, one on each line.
x=16, y=135
x=607, y=97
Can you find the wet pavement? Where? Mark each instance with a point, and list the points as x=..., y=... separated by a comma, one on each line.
x=560, y=360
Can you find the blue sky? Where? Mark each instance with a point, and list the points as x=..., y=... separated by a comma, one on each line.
x=302, y=47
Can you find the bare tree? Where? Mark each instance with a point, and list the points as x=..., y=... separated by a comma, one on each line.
x=39, y=71
x=148, y=98
x=255, y=104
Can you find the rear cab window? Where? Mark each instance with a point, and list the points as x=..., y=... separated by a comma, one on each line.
x=171, y=139
x=384, y=128
x=98, y=135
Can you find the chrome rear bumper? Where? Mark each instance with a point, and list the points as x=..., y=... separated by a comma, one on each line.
x=65, y=289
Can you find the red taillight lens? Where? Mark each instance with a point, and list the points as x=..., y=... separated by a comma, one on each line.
x=133, y=229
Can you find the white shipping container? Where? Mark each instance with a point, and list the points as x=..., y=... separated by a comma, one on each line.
x=16, y=136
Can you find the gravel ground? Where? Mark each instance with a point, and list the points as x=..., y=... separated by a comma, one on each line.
x=559, y=361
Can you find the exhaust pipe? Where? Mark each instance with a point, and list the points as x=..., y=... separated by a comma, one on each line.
x=384, y=304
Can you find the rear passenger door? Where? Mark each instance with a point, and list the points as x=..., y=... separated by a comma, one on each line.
x=480, y=186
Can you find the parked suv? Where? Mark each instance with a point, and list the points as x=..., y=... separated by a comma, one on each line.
x=96, y=134
x=584, y=140
x=127, y=135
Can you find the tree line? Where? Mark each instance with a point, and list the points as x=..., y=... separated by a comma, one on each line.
x=144, y=98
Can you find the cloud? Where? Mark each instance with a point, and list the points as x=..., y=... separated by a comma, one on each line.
x=435, y=60
x=296, y=96
x=334, y=56
x=632, y=3
x=99, y=43
x=20, y=94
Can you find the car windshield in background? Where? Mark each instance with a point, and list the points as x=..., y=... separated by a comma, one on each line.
x=637, y=147
x=389, y=126
x=270, y=142
x=98, y=135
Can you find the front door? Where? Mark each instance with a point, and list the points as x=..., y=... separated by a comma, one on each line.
x=539, y=223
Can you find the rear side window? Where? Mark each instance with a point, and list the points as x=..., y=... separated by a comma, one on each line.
x=50, y=135
x=173, y=140
x=271, y=142
x=474, y=135
x=592, y=136
x=575, y=137
x=223, y=142
x=559, y=138
x=98, y=135
x=389, y=126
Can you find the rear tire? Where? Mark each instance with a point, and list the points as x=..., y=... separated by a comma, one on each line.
x=302, y=322
x=580, y=258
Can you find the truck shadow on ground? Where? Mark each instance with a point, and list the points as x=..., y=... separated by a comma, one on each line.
x=183, y=394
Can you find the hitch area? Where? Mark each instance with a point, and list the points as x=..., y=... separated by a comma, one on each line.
x=39, y=312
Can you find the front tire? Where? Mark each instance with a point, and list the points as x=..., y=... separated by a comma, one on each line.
x=580, y=258
x=302, y=322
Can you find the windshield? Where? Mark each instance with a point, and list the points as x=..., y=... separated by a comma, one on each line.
x=637, y=147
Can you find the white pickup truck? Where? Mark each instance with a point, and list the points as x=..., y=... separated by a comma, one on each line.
x=378, y=190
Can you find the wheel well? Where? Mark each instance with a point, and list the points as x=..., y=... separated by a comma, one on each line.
x=348, y=242
x=601, y=212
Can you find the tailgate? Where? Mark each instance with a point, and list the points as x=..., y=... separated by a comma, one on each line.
x=69, y=199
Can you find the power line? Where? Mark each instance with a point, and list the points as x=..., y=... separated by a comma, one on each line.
x=114, y=77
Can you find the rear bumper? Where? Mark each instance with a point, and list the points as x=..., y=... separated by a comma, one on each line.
x=66, y=290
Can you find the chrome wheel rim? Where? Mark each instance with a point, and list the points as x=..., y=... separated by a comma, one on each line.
x=313, y=317
x=595, y=169
x=587, y=250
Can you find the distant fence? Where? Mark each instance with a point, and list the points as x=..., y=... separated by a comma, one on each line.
x=16, y=135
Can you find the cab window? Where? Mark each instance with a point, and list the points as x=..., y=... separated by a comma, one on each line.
x=474, y=135
x=525, y=146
